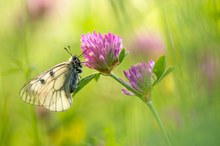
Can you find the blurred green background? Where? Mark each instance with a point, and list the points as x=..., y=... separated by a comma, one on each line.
x=33, y=34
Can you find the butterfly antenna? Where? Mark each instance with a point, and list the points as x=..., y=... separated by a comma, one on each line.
x=82, y=53
x=68, y=50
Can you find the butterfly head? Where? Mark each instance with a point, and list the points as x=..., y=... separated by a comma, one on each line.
x=75, y=60
x=76, y=63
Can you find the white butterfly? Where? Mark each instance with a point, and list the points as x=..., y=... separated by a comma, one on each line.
x=52, y=89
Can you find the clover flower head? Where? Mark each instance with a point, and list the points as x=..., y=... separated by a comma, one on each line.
x=101, y=52
x=140, y=77
x=146, y=44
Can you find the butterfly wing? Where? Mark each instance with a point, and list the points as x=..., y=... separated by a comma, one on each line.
x=51, y=89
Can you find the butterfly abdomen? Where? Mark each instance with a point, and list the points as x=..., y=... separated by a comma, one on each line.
x=73, y=81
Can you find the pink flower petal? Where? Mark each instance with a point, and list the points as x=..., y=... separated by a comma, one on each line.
x=127, y=92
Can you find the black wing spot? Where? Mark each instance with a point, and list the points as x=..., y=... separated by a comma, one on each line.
x=51, y=73
x=42, y=81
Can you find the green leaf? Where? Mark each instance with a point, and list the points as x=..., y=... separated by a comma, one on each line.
x=82, y=83
x=97, y=76
x=166, y=72
x=122, y=55
x=159, y=67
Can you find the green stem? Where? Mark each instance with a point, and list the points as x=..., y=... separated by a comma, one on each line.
x=126, y=85
x=157, y=117
x=148, y=102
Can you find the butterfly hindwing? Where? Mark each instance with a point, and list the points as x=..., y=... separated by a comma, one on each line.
x=51, y=89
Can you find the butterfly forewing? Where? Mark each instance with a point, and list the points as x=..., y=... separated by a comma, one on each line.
x=51, y=88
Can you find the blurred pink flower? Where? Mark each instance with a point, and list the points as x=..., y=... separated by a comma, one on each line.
x=38, y=8
x=101, y=51
x=42, y=113
x=146, y=44
x=208, y=65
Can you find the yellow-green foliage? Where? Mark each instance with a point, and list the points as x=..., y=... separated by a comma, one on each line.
x=33, y=34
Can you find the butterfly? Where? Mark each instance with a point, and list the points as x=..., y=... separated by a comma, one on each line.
x=52, y=89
